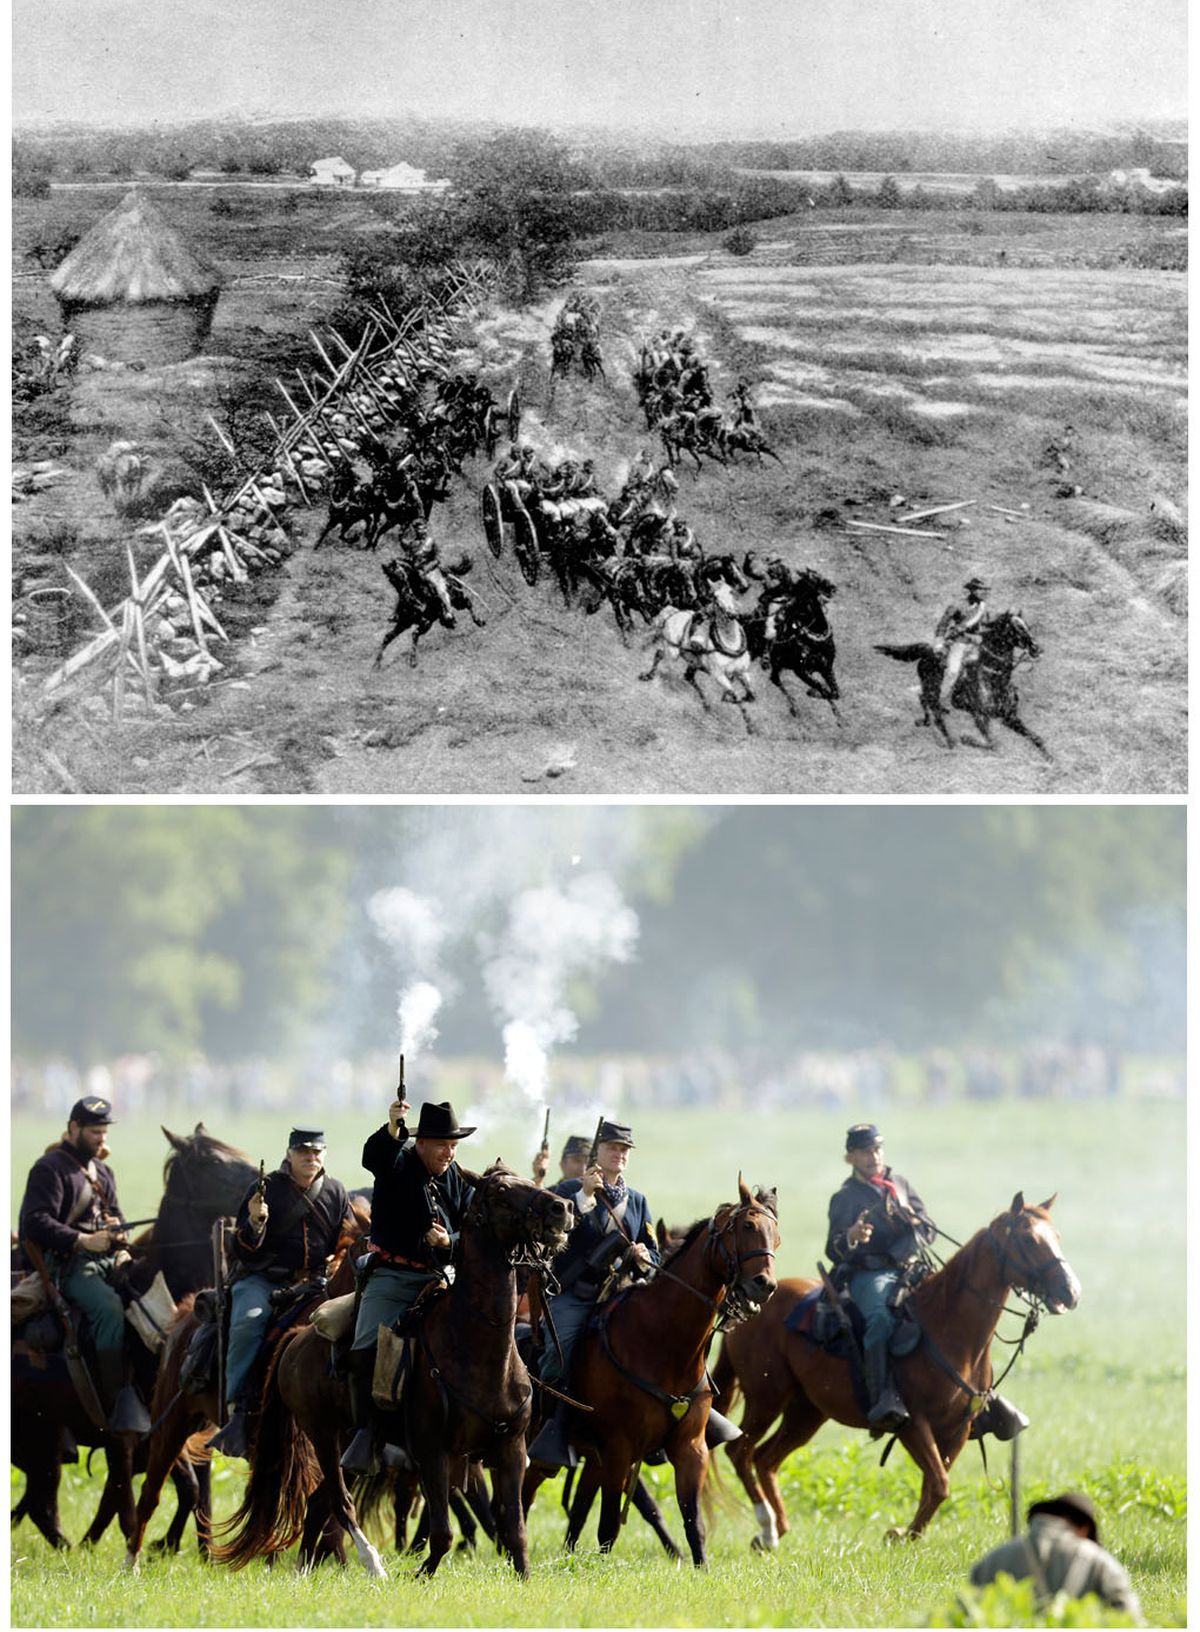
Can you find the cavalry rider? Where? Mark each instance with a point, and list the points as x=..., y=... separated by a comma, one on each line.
x=71, y=1214
x=959, y=635
x=417, y=1208
x=572, y=1164
x=743, y=408
x=878, y=1229
x=283, y=1237
x=681, y=542
x=422, y=555
x=610, y=1220
x=779, y=584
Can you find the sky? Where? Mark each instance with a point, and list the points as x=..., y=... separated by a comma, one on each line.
x=682, y=68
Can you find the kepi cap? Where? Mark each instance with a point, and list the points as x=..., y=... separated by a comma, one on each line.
x=863, y=1136
x=306, y=1139
x=91, y=1111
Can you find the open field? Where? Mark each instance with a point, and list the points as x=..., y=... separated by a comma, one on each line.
x=1105, y=1387
x=892, y=354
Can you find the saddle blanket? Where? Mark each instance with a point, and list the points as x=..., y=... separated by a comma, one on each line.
x=814, y=1319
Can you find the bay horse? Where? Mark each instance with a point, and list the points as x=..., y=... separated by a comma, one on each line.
x=784, y=1373
x=984, y=690
x=177, y=1416
x=467, y=1398
x=709, y=639
x=644, y=1372
x=204, y=1180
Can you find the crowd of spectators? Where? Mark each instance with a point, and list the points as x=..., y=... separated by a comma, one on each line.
x=857, y=1080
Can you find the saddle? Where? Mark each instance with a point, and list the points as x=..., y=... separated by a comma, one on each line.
x=198, y=1371
x=394, y=1355
x=716, y=631
x=822, y=1322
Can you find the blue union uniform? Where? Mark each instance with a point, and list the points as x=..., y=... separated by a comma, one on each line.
x=593, y=1221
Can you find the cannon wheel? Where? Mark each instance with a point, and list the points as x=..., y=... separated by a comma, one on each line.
x=514, y=414
x=493, y=527
x=525, y=545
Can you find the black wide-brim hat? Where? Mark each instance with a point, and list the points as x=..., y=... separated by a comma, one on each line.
x=438, y=1121
x=1072, y=1505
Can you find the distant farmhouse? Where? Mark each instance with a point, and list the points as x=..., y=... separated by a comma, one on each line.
x=332, y=173
x=402, y=178
x=1140, y=179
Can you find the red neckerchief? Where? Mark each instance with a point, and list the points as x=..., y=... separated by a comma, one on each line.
x=886, y=1185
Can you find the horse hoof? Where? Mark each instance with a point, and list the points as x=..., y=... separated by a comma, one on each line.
x=131, y=1564
x=898, y=1533
x=758, y=1545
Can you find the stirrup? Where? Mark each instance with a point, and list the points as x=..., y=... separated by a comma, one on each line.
x=719, y=1430
x=129, y=1415
x=233, y=1439
x=889, y=1412
x=552, y=1446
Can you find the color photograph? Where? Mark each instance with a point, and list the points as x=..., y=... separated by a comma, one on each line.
x=499, y=1204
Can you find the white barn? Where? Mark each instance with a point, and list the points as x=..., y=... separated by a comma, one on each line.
x=332, y=172
x=403, y=178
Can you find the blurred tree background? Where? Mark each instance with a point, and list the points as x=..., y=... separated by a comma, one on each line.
x=245, y=930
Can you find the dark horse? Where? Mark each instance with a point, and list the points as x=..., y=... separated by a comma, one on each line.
x=467, y=1398
x=204, y=1180
x=643, y=1371
x=985, y=690
x=418, y=607
x=803, y=642
x=177, y=1416
x=782, y=1372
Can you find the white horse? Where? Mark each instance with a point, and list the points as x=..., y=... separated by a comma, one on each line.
x=710, y=639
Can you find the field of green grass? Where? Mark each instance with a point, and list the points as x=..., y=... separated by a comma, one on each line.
x=1104, y=1386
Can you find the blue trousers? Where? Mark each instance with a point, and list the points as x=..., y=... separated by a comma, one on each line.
x=871, y=1289
x=570, y=1315
x=389, y=1291
x=84, y=1282
x=249, y=1315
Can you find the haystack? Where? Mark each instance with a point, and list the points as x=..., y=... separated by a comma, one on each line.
x=131, y=289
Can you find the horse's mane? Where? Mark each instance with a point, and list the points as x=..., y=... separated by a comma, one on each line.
x=944, y=1286
x=693, y=1230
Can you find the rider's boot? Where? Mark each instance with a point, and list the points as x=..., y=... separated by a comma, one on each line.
x=552, y=1445
x=887, y=1411
x=110, y=1378
x=720, y=1430
x=360, y=1455
x=999, y=1417
x=238, y=1433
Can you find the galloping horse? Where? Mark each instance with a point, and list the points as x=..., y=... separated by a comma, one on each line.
x=643, y=1372
x=418, y=608
x=467, y=1397
x=709, y=638
x=204, y=1180
x=803, y=642
x=177, y=1416
x=984, y=690
x=945, y=1378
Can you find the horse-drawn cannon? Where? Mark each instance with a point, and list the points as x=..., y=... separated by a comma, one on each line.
x=500, y=506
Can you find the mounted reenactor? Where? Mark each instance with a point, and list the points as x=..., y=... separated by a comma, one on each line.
x=612, y=1223
x=878, y=1232
x=779, y=584
x=286, y=1231
x=959, y=633
x=417, y=1208
x=72, y=1227
x=572, y=1163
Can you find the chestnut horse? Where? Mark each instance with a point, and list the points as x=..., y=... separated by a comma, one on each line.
x=467, y=1397
x=943, y=1381
x=177, y=1416
x=643, y=1371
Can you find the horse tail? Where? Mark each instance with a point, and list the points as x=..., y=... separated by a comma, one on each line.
x=907, y=654
x=284, y=1472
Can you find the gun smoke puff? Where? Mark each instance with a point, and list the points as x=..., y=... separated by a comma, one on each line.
x=413, y=928
x=553, y=936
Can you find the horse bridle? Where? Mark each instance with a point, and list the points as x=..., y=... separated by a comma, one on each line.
x=1029, y=1290
x=735, y=1307
x=524, y=1254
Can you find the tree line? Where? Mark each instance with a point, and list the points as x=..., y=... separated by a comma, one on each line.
x=242, y=931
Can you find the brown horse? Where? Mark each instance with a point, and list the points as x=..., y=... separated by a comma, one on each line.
x=644, y=1373
x=178, y=1416
x=467, y=1397
x=781, y=1372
